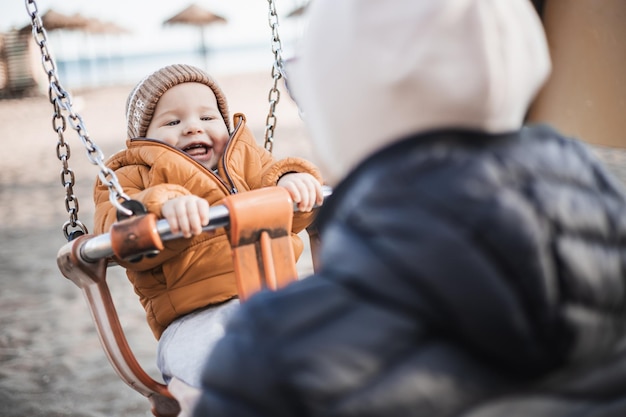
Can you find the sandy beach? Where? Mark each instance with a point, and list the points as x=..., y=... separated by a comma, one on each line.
x=51, y=361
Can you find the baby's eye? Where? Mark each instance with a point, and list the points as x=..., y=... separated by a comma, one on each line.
x=205, y=118
x=172, y=123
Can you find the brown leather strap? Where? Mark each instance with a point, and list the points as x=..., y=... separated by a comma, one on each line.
x=260, y=236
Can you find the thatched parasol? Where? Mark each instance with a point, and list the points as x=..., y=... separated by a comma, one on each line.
x=53, y=20
x=195, y=15
x=106, y=28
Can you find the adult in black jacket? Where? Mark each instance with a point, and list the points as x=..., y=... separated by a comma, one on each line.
x=470, y=266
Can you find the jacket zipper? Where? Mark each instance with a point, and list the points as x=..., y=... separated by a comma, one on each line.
x=233, y=189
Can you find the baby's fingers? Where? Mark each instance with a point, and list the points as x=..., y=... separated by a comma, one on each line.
x=183, y=220
x=186, y=215
x=192, y=216
x=319, y=193
x=198, y=215
x=308, y=197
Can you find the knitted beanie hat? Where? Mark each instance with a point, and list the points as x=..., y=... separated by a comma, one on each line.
x=144, y=97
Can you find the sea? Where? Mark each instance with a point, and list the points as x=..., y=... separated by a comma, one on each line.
x=116, y=69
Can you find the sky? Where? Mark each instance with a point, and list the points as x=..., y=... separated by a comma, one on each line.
x=247, y=22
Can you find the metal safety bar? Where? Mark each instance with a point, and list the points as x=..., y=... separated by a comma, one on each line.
x=99, y=247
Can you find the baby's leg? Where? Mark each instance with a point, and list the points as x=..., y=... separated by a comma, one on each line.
x=186, y=343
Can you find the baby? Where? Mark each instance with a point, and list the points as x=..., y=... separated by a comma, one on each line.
x=182, y=156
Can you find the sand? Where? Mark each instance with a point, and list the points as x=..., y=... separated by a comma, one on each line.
x=51, y=361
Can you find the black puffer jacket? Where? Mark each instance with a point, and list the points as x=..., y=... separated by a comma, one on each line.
x=463, y=275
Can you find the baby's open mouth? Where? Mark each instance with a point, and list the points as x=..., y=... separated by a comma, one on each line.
x=196, y=149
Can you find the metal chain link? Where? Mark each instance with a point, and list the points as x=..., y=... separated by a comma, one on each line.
x=277, y=74
x=62, y=101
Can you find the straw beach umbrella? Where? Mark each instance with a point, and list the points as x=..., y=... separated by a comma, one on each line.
x=105, y=28
x=53, y=20
x=195, y=15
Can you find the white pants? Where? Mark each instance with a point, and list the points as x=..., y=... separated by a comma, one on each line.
x=187, y=342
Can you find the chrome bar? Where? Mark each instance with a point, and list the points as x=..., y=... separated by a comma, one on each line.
x=99, y=246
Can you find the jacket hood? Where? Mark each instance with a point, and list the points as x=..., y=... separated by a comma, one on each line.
x=373, y=72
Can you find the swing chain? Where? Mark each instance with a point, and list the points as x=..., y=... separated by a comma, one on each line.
x=61, y=100
x=277, y=74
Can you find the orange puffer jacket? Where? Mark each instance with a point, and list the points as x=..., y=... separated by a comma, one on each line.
x=191, y=273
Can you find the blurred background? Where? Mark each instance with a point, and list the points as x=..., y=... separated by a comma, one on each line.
x=51, y=362
x=106, y=43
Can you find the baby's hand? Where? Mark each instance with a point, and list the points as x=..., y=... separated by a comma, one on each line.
x=304, y=189
x=186, y=214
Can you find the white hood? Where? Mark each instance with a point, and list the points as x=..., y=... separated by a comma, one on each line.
x=374, y=71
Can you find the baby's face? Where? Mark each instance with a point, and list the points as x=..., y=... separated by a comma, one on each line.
x=188, y=118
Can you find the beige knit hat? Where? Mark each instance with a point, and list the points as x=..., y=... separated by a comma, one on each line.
x=143, y=99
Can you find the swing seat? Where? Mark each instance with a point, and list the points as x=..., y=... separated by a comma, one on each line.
x=262, y=254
